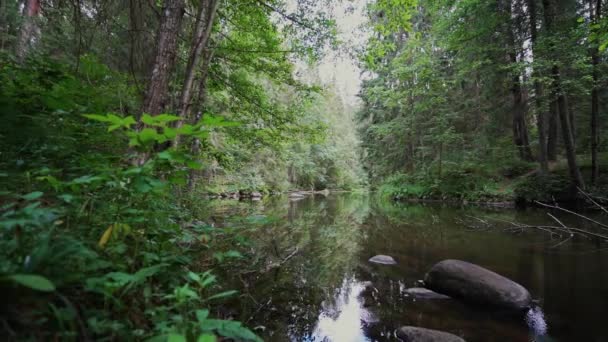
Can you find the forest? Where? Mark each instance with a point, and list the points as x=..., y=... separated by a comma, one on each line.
x=169, y=168
x=470, y=95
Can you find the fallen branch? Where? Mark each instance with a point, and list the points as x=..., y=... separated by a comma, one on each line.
x=603, y=226
x=560, y=230
x=563, y=225
x=592, y=200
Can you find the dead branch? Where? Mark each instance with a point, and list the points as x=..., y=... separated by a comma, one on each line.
x=560, y=230
x=592, y=200
x=603, y=226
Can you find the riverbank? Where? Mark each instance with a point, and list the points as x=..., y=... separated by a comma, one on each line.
x=523, y=185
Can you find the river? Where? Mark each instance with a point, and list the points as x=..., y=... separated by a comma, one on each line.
x=316, y=283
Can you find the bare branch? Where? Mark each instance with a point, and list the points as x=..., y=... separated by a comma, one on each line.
x=573, y=213
x=592, y=200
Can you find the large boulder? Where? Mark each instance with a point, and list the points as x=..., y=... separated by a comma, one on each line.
x=416, y=334
x=469, y=282
x=383, y=259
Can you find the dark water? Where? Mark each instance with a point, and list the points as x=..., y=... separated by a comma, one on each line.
x=316, y=253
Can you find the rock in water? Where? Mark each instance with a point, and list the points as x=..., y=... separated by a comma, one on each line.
x=460, y=279
x=422, y=293
x=383, y=259
x=415, y=334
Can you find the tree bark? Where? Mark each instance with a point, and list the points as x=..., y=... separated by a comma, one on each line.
x=204, y=26
x=166, y=52
x=553, y=132
x=562, y=104
x=538, y=94
x=201, y=37
x=520, y=127
x=595, y=101
x=202, y=97
x=28, y=29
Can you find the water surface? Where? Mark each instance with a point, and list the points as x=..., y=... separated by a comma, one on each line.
x=317, y=283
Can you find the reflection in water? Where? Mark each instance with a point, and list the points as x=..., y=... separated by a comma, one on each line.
x=536, y=321
x=344, y=319
x=323, y=294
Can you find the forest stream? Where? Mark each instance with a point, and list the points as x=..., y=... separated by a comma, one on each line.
x=324, y=288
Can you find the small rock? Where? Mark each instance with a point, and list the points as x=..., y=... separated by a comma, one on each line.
x=416, y=334
x=256, y=194
x=383, y=259
x=296, y=195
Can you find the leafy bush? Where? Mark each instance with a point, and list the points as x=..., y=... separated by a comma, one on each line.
x=456, y=183
x=91, y=245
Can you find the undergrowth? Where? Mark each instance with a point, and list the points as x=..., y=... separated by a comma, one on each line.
x=92, y=245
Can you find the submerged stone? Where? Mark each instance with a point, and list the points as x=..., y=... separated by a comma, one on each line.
x=416, y=334
x=383, y=259
x=469, y=282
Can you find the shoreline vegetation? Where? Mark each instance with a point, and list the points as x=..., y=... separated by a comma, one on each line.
x=471, y=187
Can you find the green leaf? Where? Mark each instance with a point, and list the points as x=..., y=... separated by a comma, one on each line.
x=97, y=117
x=148, y=134
x=34, y=282
x=32, y=195
x=166, y=118
x=147, y=119
x=87, y=179
x=206, y=338
x=176, y=338
x=194, y=276
x=202, y=315
x=160, y=120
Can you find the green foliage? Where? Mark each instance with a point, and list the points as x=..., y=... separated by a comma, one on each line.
x=81, y=225
x=549, y=188
x=455, y=184
x=443, y=91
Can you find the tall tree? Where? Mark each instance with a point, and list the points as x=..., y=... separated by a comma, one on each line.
x=538, y=90
x=519, y=125
x=200, y=39
x=29, y=28
x=561, y=100
x=166, y=53
x=596, y=16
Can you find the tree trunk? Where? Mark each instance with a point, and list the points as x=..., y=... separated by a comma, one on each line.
x=553, y=132
x=139, y=56
x=201, y=37
x=520, y=128
x=595, y=101
x=204, y=25
x=564, y=117
x=538, y=94
x=166, y=51
x=202, y=97
x=562, y=104
x=29, y=28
